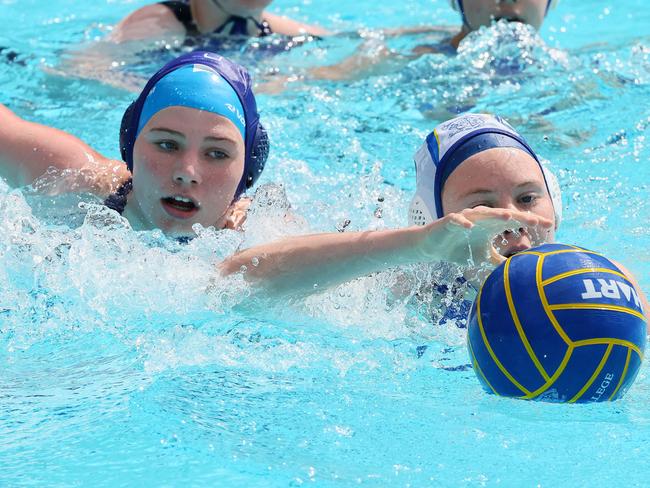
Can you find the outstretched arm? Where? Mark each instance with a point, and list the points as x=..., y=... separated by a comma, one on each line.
x=28, y=149
x=307, y=264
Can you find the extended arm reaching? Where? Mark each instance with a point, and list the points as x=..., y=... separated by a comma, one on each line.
x=311, y=263
x=28, y=149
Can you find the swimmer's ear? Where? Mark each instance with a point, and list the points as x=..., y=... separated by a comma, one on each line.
x=259, y=155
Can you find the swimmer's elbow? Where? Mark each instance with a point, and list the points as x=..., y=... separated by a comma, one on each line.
x=237, y=263
x=229, y=266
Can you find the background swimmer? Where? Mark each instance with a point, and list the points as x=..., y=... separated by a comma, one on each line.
x=373, y=58
x=480, y=13
x=177, y=20
x=210, y=25
x=192, y=143
x=477, y=178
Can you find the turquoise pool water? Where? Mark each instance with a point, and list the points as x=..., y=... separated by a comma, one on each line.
x=119, y=369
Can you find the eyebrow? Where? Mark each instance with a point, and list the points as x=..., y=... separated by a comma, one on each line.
x=482, y=191
x=181, y=135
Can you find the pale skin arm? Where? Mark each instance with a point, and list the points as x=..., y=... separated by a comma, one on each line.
x=288, y=27
x=142, y=29
x=155, y=22
x=372, y=59
x=28, y=149
x=307, y=264
x=149, y=23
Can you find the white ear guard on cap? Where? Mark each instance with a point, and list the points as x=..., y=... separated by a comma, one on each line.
x=439, y=154
x=554, y=190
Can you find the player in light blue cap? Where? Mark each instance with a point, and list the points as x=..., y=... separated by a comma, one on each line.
x=482, y=195
x=191, y=145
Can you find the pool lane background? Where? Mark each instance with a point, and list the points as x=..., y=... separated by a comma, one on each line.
x=154, y=381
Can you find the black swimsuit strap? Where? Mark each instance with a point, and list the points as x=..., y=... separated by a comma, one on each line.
x=239, y=25
x=117, y=201
x=183, y=14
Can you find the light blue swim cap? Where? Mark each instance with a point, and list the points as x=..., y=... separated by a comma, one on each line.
x=194, y=86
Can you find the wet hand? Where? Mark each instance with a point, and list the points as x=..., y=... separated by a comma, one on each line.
x=468, y=237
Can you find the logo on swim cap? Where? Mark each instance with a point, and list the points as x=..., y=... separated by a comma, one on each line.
x=461, y=124
x=237, y=113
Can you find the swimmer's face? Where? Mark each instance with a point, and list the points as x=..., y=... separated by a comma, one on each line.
x=244, y=8
x=187, y=164
x=484, y=12
x=501, y=178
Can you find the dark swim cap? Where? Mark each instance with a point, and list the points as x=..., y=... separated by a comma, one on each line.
x=255, y=137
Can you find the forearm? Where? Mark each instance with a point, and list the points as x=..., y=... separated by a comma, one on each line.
x=28, y=149
x=10, y=127
x=311, y=263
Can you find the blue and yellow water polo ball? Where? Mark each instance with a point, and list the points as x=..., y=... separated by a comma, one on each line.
x=557, y=323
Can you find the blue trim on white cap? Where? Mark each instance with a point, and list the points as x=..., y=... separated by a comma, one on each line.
x=444, y=150
x=474, y=143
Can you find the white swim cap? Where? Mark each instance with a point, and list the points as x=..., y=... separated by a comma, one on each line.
x=453, y=142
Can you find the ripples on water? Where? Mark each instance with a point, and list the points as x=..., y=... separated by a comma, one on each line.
x=125, y=358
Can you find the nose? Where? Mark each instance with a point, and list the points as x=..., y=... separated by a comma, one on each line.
x=186, y=172
x=511, y=205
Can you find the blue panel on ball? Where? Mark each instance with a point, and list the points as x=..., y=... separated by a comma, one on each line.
x=576, y=374
x=502, y=334
x=583, y=325
x=570, y=258
x=632, y=371
x=547, y=344
x=593, y=288
x=487, y=368
x=585, y=307
x=607, y=381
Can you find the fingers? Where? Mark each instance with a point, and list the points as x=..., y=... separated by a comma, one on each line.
x=459, y=220
x=499, y=220
x=495, y=257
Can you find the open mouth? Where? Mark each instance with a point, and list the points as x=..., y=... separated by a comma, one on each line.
x=180, y=207
x=510, y=18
